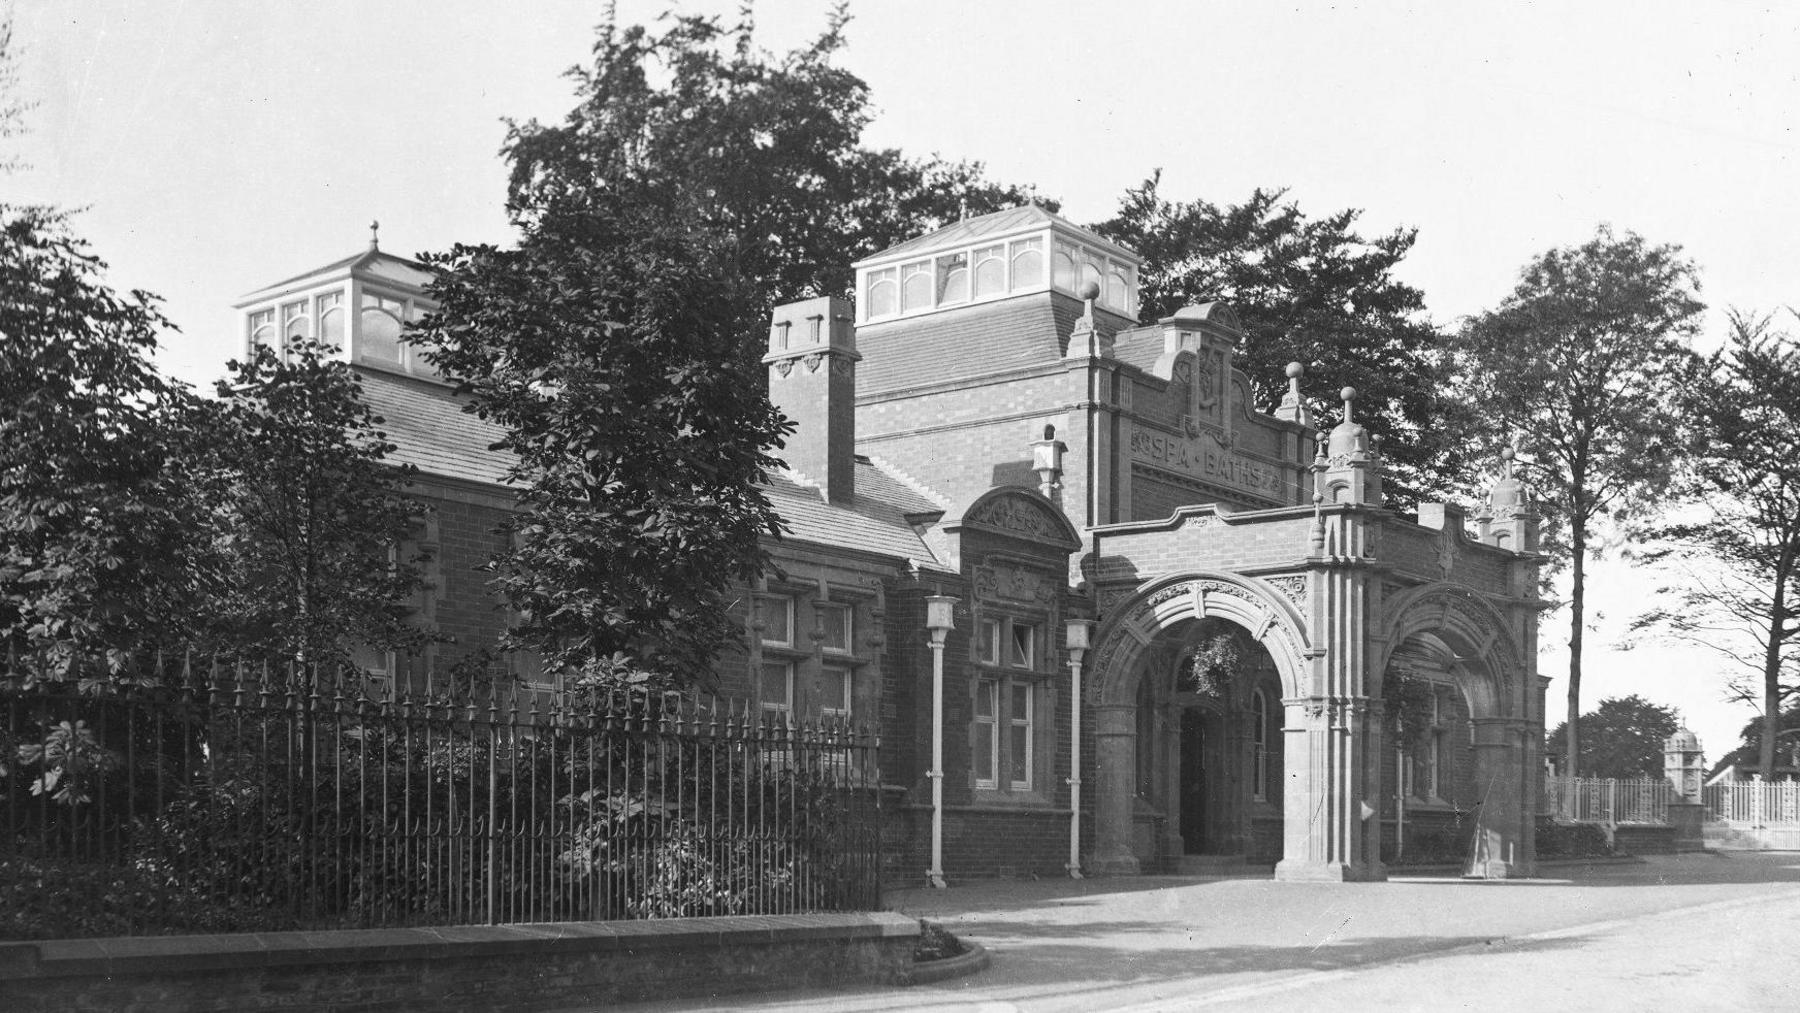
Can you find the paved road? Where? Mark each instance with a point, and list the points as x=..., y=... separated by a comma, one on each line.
x=1677, y=932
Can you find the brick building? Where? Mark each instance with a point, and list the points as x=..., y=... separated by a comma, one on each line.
x=1174, y=615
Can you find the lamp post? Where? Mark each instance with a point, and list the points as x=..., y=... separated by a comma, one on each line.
x=1079, y=633
x=939, y=622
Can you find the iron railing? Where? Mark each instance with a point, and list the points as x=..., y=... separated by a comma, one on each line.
x=1607, y=800
x=223, y=796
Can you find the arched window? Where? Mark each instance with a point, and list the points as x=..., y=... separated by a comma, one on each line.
x=380, y=323
x=915, y=286
x=1063, y=273
x=990, y=271
x=884, y=294
x=1259, y=738
x=1090, y=271
x=262, y=330
x=331, y=319
x=1027, y=263
x=294, y=324
x=1117, y=289
x=953, y=278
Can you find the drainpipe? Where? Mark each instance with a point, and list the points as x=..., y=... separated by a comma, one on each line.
x=1079, y=632
x=939, y=622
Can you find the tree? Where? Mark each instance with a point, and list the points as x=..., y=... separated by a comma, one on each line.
x=1738, y=553
x=1582, y=362
x=768, y=146
x=303, y=522
x=696, y=182
x=88, y=543
x=1749, y=750
x=1310, y=290
x=1622, y=738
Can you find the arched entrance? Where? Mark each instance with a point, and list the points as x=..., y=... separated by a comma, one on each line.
x=1464, y=758
x=1192, y=672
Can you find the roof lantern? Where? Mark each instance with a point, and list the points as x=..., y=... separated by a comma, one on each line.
x=1019, y=251
x=359, y=304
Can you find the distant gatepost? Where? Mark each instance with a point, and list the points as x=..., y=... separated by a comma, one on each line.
x=1684, y=765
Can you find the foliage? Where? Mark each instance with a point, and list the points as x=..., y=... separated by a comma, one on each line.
x=696, y=181
x=1434, y=842
x=936, y=943
x=1736, y=553
x=1212, y=665
x=1621, y=738
x=1311, y=290
x=1748, y=752
x=1570, y=840
x=769, y=148
x=88, y=542
x=303, y=519
x=1407, y=698
x=1583, y=363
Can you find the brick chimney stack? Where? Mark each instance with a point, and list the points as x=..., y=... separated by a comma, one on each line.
x=812, y=379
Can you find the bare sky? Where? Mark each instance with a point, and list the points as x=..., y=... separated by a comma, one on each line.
x=220, y=145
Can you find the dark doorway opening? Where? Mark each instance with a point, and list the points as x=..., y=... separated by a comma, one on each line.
x=1201, y=783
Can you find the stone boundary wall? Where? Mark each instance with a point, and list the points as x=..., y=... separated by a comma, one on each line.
x=509, y=967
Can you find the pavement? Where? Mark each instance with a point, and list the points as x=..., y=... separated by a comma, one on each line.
x=1710, y=931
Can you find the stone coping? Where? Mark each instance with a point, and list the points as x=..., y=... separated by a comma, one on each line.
x=124, y=955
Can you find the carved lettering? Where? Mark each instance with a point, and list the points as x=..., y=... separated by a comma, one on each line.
x=1216, y=464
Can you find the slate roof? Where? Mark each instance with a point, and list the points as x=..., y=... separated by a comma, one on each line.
x=1026, y=330
x=871, y=524
x=431, y=432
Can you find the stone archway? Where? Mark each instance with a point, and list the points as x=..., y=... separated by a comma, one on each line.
x=1480, y=658
x=1263, y=613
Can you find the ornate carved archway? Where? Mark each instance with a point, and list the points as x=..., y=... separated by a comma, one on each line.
x=1265, y=613
x=1473, y=627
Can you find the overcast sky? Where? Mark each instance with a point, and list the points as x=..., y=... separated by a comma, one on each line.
x=218, y=145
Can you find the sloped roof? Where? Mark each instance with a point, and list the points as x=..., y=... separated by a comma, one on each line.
x=1026, y=330
x=370, y=262
x=995, y=225
x=870, y=524
x=430, y=431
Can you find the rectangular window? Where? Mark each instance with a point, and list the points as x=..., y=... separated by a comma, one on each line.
x=1024, y=645
x=377, y=664
x=1434, y=752
x=837, y=687
x=1019, y=742
x=835, y=622
x=987, y=738
x=778, y=621
x=987, y=648
x=778, y=686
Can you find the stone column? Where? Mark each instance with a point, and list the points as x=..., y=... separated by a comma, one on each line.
x=1332, y=747
x=1115, y=760
x=1500, y=834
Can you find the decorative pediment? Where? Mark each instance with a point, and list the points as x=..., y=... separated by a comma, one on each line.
x=1021, y=514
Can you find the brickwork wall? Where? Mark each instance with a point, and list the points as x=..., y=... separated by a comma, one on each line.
x=1204, y=542
x=983, y=843
x=468, y=537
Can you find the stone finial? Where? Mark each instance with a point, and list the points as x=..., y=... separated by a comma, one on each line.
x=1353, y=463
x=374, y=235
x=1087, y=340
x=1348, y=438
x=1294, y=407
x=1509, y=518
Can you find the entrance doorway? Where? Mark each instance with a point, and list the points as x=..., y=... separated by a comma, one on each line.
x=1205, y=821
